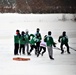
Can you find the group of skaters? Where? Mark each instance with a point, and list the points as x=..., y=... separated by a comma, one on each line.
x=23, y=39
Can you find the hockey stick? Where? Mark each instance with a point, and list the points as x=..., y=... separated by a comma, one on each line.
x=59, y=48
x=72, y=48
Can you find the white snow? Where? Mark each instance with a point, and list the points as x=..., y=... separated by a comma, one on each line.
x=62, y=65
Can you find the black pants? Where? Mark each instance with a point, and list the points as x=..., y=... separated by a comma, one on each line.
x=38, y=47
x=33, y=47
x=66, y=44
x=44, y=50
x=16, y=48
x=22, y=47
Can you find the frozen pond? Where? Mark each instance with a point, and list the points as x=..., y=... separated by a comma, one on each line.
x=62, y=65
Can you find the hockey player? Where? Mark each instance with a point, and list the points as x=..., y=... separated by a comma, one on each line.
x=63, y=39
x=32, y=42
x=50, y=42
x=38, y=37
x=27, y=38
x=16, y=42
x=42, y=47
x=22, y=43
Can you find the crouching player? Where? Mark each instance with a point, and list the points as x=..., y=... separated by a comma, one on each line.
x=42, y=47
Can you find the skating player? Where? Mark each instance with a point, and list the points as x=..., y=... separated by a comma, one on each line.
x=32, y=42
x=63, y=39
x=39, y=38
x=42, y=47
x=50, y=42
x=16, y=42
x=27, y=38
x=22, y=43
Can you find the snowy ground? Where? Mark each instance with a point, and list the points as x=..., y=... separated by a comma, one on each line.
x=62, y=65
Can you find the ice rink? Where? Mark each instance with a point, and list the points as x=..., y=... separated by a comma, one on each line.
x=62, y=65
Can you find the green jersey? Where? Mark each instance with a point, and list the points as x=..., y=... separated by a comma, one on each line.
x=49, y=40
x=63, y=39
x=22, y=40
x=38, y=37
x=27, y=38
x=16, y=39
x=33, y=41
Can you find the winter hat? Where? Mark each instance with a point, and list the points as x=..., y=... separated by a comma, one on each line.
x=49, y=32
x=64, y=33
x=38, y=29
x=23, y=33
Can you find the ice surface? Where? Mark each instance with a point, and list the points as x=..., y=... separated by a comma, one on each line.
x=62, y=65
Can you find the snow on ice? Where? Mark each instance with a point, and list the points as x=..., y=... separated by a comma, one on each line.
x=62, y=65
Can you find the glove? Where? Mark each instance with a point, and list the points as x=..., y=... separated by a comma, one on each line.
x=58, y=40
x=54, y=44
